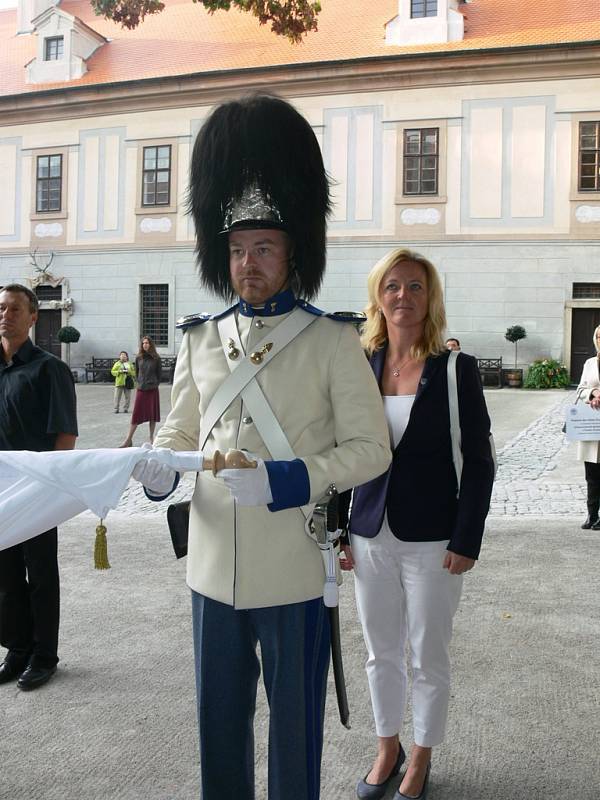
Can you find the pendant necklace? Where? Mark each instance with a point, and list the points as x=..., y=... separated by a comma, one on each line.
x=396, y=370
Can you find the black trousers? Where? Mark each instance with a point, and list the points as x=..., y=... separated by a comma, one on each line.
x=30, y=600
x=592, y=478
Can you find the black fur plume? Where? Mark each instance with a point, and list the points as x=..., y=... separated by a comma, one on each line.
x=260, y=139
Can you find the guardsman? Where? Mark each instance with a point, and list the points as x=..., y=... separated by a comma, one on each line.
x=290, y=384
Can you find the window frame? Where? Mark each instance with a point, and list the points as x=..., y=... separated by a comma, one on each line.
x=54, y=40
x=162, y=210
x=144, y=328
x=427, y=6
x=64, y=197
x=595, y=150
x=47, y=180
x=420, y=156
x=155, y=171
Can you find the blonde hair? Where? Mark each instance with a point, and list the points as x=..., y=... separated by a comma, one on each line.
x=374, y=333
x=596, y=345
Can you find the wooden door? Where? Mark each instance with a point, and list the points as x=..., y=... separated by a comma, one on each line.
x=46, y=328
x=584, y=322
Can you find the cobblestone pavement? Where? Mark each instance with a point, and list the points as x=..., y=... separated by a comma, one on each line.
x=525, y=464
x=522, y=487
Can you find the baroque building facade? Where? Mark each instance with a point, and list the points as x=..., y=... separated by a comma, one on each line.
x=469, y=132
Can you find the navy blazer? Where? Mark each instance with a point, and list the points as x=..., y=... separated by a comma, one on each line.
x=419, y=489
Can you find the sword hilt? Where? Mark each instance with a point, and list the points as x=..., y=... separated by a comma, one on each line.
x=232, y=459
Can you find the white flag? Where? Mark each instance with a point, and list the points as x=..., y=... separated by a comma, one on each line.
x=41, y=490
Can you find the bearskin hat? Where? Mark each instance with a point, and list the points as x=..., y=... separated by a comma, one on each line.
x=257, y=164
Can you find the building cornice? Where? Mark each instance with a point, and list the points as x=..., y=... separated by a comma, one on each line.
x=406, y=71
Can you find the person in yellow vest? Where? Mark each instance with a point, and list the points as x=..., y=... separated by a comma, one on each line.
x=123, y=371
x=259, y=198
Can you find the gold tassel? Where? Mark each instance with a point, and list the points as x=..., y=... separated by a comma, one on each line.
x=101, y=548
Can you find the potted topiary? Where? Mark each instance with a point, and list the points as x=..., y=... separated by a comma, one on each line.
x=514, y=334
x=66, y=335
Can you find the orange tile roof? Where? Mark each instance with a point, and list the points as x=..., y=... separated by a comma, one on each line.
x=186, y=39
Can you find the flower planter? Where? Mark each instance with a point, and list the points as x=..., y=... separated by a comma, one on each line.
x=514, y=378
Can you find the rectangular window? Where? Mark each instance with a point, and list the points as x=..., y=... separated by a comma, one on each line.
x=423, y=8
x=154, y=314
x=54, y=48
x=420, y=161
x=156, y=181
x=589, y=156
x=586, y=291
x=48, y=293
x=48, y=183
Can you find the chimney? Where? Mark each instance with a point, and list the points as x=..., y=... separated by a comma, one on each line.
x=28, y=10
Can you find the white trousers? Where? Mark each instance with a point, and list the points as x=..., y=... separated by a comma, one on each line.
x=404, y=595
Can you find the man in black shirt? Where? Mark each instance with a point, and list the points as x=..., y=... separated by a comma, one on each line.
x=37, y=412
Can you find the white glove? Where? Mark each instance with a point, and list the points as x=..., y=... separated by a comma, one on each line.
x=157, y=478
x=250, y=487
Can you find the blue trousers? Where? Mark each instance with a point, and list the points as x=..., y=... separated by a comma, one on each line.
x=294, y=646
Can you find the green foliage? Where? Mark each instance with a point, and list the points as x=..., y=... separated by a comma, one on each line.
x=68, y=334
x=290, y=18
x=547, y=373
x=129, y=13
x=515, y=333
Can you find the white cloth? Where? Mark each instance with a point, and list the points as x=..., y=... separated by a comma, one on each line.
x=41, y=490
x=403, y=593
x=249, y=487
x=590, y=379
x=397, y=412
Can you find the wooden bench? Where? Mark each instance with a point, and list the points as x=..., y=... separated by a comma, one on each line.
x=490, y=369
x=167, y=368
x=98, y=369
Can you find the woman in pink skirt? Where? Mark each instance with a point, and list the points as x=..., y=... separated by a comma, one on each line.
x=146, y=407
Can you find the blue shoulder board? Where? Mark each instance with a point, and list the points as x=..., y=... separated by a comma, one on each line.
x=191, y=320
x=354, y=317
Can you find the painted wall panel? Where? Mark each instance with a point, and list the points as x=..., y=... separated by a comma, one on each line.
x=353, y=153
x=72, y=199
x=338, y=166
x=453, y=165
x=363, y=208
x=8, y=195
x=183, y=233
x=90, y=184
x=111, y=183
x=388, y=178
x=485, y=157
x=528, y=156
x=562, y=170
x=101, y=184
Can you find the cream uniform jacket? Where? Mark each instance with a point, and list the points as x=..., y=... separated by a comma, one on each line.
x=588, y=451
x=324, y=394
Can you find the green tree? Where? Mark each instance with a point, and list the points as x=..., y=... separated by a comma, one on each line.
x=290, y=18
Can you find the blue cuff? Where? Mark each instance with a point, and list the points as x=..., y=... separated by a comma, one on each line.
x=290, y=485
x=157, y=497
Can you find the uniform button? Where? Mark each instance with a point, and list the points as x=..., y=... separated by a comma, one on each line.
x=247, y=420
x=259, y=323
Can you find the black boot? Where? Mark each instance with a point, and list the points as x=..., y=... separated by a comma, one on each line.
x=592, y=517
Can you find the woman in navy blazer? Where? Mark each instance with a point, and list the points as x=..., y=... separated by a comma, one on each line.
x=412, y=538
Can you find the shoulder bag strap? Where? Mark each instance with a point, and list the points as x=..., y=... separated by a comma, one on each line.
x=455, y=434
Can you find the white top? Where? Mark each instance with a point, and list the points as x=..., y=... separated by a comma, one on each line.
x=397, y=411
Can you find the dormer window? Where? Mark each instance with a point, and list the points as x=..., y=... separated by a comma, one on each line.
x=54, y=48
x=423, y=8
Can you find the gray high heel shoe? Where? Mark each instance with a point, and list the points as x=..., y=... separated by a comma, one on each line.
x=423, y=795
x=375, y=791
